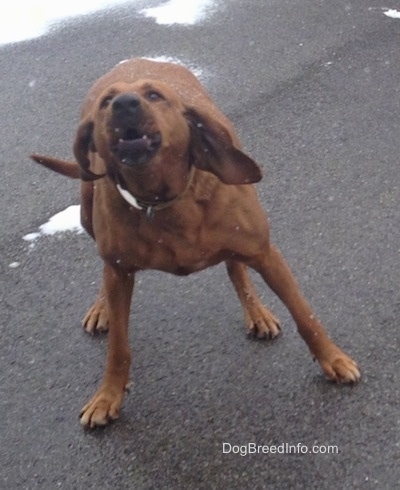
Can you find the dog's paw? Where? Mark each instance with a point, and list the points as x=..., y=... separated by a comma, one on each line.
x=96, y=319
x=102, y=408
x=261, y=323
x=340, y=368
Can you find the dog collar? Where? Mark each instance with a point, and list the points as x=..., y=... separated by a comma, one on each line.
x=149, y=207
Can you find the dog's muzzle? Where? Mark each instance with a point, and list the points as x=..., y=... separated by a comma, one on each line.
x=131, y=145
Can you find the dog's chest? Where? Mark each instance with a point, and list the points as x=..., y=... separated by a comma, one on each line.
x=175, y=244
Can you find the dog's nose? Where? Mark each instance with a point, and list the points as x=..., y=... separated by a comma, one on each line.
x=126, y=104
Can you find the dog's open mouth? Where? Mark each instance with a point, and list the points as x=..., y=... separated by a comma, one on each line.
x=133, y=147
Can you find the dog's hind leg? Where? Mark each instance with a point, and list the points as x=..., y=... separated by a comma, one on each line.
x=259, y=321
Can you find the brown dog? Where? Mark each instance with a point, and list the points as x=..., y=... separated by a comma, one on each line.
x=172, y=194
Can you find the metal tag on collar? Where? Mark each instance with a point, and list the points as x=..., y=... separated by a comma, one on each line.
x=149, y=213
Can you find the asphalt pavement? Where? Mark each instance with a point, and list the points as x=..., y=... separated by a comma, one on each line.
x=313, y=89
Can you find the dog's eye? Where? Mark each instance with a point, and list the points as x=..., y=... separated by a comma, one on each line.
x=154, y=96
x=106, y=101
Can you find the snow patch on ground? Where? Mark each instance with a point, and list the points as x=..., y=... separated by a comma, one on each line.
x=187, y=12
x=28, y=19
x=67, y=220
x=394, y=14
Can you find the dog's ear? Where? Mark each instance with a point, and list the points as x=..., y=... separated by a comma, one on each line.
x=213, y=150
x=82, y=145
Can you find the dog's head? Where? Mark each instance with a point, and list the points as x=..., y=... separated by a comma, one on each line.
x=148, y=137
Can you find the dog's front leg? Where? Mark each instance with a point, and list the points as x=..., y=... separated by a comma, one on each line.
x=336, y=365
x=107, y=401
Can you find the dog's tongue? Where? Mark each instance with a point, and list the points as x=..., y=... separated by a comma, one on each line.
x=136, y=146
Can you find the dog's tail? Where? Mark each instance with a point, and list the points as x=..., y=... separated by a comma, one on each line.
x=69, y=169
